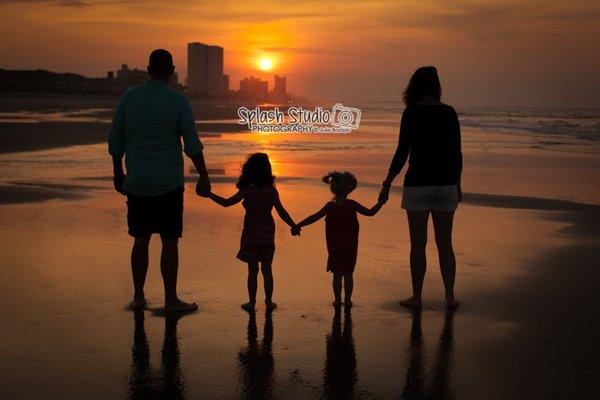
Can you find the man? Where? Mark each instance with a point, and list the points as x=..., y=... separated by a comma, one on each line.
x=148, y=125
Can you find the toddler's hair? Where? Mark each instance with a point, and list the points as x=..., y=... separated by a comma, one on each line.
x=340, y=183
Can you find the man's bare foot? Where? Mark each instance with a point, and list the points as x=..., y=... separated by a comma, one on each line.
x=337, y=303
x=452, y=303
x=138, y=304
x=348, y=304
x=248, y=306
x=411, y=302
x=175, y=306
x=270, y=305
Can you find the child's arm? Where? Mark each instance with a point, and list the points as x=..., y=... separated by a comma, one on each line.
x=236, y=198
x=313, y=218
x=369, y=212
x=282, y=212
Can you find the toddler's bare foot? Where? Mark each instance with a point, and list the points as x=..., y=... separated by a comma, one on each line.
x=348, y=304
x=175, y=306
x=270, y=305
x=248, y=306
x=138, y=304
x=411, y=302
x=337, y=303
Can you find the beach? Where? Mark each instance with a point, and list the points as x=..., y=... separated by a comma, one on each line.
x=526, y=242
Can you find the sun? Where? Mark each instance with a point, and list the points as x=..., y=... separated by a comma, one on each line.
x=265, y=64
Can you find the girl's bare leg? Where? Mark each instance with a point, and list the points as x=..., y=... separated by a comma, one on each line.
x=267, y=273
x=348, y=287
x=252, y=285
x=337, y=289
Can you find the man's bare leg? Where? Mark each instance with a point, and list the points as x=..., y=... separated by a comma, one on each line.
x=139, y=269
x=169, y=263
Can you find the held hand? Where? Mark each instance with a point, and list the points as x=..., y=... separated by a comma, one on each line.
x=384, y=194
x=203, y=186
x=295, y=230
x=118, y=181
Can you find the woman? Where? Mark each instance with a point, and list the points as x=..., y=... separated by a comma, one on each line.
x=430, y=140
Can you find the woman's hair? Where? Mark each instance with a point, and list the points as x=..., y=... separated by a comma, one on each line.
x=256, y=171
x=340, y=183
x=424, y=81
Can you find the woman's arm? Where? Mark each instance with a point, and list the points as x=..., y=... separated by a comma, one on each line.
x=401, y=154
x=400, y=157
x=236, y=198
x=369, y=212
x=282, y=212
x=458, y=155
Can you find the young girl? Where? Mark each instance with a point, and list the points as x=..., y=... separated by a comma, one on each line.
x=257, y=190
x=341, y=232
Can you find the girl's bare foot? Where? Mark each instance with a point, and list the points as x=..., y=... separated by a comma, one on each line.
x=348, y=304
x=138, y=304
x=411, y=302
x=248, y=306
x=270, y=305
x=337, y=303
x=452, y=303
x=175, y=306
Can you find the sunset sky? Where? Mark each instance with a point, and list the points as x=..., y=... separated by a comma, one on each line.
x=488, y=52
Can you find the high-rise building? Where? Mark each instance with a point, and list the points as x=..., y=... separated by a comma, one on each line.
x=279, y=86
x=205, y=70
x=254, y=88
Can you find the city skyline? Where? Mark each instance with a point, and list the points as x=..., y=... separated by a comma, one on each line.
x=488, y=53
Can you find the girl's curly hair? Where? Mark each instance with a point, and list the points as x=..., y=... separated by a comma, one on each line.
x=340, y=183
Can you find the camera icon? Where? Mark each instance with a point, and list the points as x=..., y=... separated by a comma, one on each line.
x=346, y=117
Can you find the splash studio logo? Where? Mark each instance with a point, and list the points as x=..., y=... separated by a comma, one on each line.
x=339, y=119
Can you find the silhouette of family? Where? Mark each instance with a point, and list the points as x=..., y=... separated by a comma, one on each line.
x=152, y=120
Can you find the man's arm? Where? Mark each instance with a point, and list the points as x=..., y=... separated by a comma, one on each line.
x=192, y=147
x=116, y=146
x=203, y=186
x=118, y=173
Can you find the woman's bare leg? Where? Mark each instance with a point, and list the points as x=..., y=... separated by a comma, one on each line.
x=442, y=225
x=417, y=225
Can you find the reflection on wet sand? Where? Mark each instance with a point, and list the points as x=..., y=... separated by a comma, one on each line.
x=256, y=360
x=438, y=383
x=339, y=374
x=168, y=382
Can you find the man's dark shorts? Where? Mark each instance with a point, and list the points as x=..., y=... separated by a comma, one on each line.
x=161, y=214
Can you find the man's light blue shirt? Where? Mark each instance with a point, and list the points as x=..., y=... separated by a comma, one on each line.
x=147, y=128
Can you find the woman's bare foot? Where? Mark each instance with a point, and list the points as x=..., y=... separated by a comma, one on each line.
x=270, y=305
x=177, y=305
x=337, y=303
x=248, y=306
x=411, y=302
x=348, y=304
x=138, y=304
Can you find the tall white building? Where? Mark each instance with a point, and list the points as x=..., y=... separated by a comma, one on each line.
x=205, y=70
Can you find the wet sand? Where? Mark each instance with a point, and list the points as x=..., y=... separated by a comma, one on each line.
x=65, y=276
x=526, y=239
